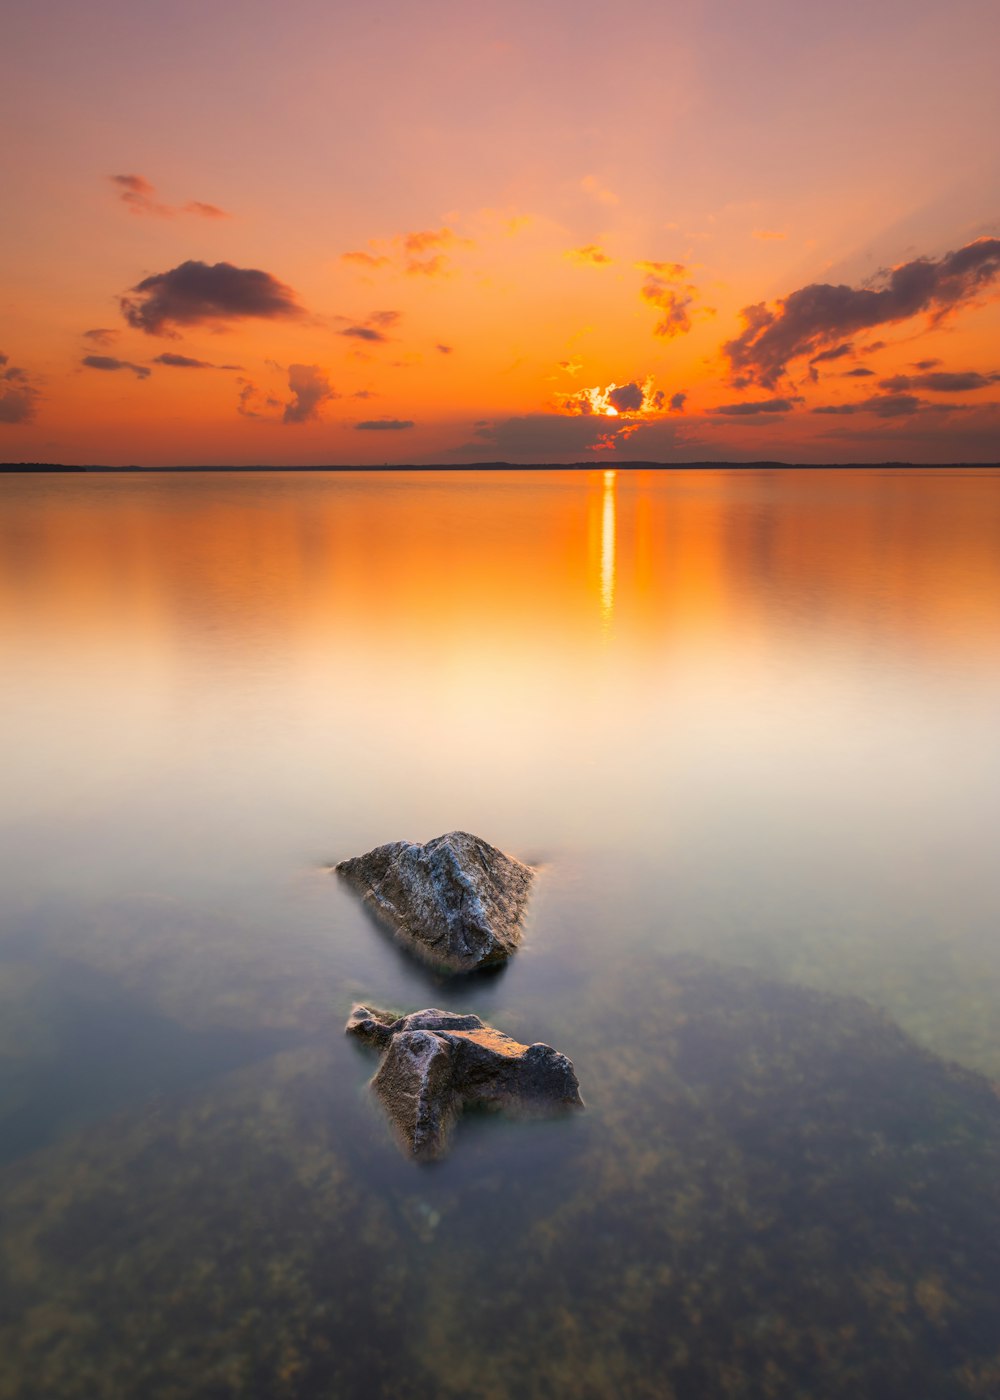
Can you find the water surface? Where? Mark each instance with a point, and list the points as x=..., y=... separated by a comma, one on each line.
x=746, y=724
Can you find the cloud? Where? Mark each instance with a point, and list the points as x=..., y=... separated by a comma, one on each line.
x=615, y=400
x=589, y=256
x=837, y=353
x=378, y=425
x=885, y=406
x=108, y=362
x=666, y=290
x=186, y=362
x=677, y=402
x=941, y=382
x=546, y=437
x=753, y=408
x=310, y=389
x=197, y=294
x=627, y=398
x=100, y=335
x=767, y=235
x=593, y=187
x=875, y=346
x=139, y=197
x=18, y=396
x=926, y=364
x=861, y=372
x=819, y=313
x=369, y=260
x=205, y=211
x=373, y=327
x=365, y=333
x=445, y=349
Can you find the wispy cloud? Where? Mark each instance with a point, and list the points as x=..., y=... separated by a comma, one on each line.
x=939, y=382
x=666, y=287
x=102, y=336
x=139, y=197
x=753, y=408
x=108, y=362
x=421, y=253
x=589, y=256
x=592, y=186
x=384, y=425
x=186, y=362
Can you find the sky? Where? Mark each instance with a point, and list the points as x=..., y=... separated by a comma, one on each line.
x=249, y=233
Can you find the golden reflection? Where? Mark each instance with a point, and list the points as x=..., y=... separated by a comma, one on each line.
x=608, y=550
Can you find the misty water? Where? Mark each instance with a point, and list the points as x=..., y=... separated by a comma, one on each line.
x=747, y=726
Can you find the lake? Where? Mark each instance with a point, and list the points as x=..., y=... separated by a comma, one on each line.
x=746, y=723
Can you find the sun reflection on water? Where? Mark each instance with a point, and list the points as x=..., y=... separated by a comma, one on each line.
x=608, y=551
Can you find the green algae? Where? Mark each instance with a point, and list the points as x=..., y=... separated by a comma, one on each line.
x=774, y=1192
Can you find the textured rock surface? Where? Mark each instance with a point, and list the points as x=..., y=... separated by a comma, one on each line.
x=457, y=900
x=435, y=1063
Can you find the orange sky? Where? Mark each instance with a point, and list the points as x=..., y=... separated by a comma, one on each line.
x=244, y=233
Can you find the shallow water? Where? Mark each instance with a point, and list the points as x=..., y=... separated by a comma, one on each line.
x=750, y=716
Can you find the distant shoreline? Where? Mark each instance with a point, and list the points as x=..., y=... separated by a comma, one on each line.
x=56, y=468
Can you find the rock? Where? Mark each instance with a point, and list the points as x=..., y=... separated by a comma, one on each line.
x=434, y=1063
x=457, y=901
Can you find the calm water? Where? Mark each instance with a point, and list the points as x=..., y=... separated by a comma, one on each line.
x=748, y=725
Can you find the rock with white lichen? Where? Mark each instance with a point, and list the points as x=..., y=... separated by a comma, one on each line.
x=457, y=901
x=435, y=1063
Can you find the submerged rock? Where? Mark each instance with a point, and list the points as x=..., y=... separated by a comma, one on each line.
x=457, y=900
x=435, y=1063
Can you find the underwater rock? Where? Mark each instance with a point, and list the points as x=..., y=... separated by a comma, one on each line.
x=435, y=1063
x=457, y=900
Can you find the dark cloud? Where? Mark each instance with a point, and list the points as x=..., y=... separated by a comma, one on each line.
x=375, y=425
x=100, y=335
x=627, y=398
x=196, y=293
x=860, y=373
x=883, y=406
x=18, y=396
x=445, y=349
x=677, y=402
x=546, y=437
x=368, y=333
x=108, y=362
x=752, y=408
x=837, y=353
x=310, y=389
x=248, y=399
x=875, y=345
x=373, y=327
x=926, y=364
x=186, y=362
x=941, y=382
x=820, y=313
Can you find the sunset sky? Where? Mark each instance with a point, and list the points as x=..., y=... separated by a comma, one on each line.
x=326, y=233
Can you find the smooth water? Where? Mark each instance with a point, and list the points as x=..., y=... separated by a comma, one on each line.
x=748, y=726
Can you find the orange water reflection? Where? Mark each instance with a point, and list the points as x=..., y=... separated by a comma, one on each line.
x=911, y=561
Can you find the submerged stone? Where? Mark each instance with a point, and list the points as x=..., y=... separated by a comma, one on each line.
x=435, y=1063
x=456, y=900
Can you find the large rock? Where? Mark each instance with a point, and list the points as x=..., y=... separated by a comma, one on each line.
x=435, y=1063
x=457, y=900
